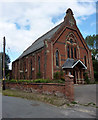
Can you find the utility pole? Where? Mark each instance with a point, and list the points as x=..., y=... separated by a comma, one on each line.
x=3, y=63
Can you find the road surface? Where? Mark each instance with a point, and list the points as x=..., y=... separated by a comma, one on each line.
x=13, y=107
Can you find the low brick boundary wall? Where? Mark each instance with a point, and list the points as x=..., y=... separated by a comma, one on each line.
x=57, y=89
x=47, y=88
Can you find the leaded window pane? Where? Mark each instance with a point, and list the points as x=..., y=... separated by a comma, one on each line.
x=68, y=54
x=71, y=53
x=57, y=58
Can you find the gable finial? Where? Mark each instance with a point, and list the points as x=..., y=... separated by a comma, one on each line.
x=69, y=11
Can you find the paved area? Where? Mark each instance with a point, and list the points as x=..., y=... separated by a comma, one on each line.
x=0, y=106
x=85, y=93
x=21, y=108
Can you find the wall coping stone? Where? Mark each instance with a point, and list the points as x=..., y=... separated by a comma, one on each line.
x=56, y=84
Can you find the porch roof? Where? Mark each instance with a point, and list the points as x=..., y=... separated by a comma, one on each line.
x=71, y=63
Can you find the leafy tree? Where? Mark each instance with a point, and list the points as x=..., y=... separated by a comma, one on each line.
x=92, y=44
x=7, y=61
x=95, y=65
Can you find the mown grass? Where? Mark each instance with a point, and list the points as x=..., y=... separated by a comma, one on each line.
x=51, y=99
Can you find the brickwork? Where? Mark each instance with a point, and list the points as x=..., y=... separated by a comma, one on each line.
x=23, y=69
x=47, y=88
x=57, y=89
x=69, y=87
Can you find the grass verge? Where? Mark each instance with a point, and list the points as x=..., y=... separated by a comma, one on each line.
x=51, y=99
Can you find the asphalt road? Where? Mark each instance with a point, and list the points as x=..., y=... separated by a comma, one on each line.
x=13, y=107
x=86, y=93
x=0, y=106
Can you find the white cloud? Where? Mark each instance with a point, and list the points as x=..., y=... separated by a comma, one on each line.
x=38, y=15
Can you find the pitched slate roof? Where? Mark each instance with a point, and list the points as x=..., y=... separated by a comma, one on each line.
x=39, y=43
x=71, y=63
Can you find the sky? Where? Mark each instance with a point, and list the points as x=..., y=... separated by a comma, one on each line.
x=23, y=22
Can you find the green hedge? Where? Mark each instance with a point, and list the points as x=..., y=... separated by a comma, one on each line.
x=36, y=81
x=29, y=81
x=19, y=81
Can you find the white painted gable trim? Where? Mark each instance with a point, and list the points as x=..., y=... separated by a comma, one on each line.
x=80, y=62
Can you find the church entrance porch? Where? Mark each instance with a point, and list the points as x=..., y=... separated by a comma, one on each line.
x=78, y=75
x=75, y=68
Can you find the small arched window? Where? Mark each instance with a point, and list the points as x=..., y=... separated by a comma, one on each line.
x=39, y=63
x=71, y=52
x=85, y=60
x=68, y=53
x=57, y=58
x=75, y=54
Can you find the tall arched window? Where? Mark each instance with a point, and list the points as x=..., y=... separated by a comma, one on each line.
x=71, y=52
x=31, y=69
x=85, y=60
x=68, y=53
x=57, y=58
x=39, y=63
x=75, y=54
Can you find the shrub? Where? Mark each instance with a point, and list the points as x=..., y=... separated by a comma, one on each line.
x=39, y=75
x=56, y=75
x=62, y=78
x=19, y=81
x=41, y=81
x=86, y=79
x=59, y=75
x=95, y=65
x=60, y=81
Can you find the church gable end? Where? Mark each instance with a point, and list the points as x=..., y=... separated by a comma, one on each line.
x=50, y=52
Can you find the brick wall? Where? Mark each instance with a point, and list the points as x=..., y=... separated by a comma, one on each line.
x=57, y=89
x=60, y=40
x=49, y=88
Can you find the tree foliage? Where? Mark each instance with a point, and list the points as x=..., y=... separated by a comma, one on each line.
x=95, y=65
x=7, y=61
x=91, y=41
x=92, y=44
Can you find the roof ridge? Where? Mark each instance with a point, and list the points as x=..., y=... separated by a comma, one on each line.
x=47, y=32
x=42, y=36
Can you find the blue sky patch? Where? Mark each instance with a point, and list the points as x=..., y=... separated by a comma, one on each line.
x=57, y=18
x=27, y=27
x=17, y=26
x=88, y=26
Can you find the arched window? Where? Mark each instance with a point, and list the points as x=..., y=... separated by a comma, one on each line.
x=71, y=41
x=85, y=60
x=71, y=52
x=68, y=53
x=31, y=69
x=75, y=54
x=57, y=58
x=24, y=68
x=39, y=63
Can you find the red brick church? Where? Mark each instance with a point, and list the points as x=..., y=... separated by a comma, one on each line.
x=61, y=48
